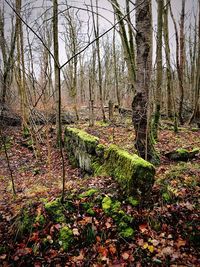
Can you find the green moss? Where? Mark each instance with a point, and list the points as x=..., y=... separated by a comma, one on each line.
x=182, y=151
x=55, y=210
x=133, y=201
x=116, y=206
x=26, y=132
x=88, y=193
x=106, y=203
x=195, y=129
x=127, y=218
x=166, y=197
x=81, y=138
x=68, y=205
x=65, y=237
x=40, y=219
x=102, y=123
x=100, y=149
x=91, y=212
x=127, y=232
x=132, y=172
x=99, y=169
x=195, y=150
x=122, y=225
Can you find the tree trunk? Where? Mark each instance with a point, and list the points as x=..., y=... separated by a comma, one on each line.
x=127, y=41
x=182, y=62
x=143, y=142
x=96, y=33
x=115, y=69
x=158, y=69
x=58, y=91
x=196, y=110
x=57, y=71
x=168, y=63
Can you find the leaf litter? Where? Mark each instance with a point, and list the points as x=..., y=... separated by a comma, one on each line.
x=165, y=227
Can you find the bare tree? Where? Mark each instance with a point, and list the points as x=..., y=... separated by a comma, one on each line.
x=96, y=34
x=196, y=109
x=159, y=69
x=7, y=51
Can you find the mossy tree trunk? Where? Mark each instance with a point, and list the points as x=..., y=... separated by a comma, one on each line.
x=143, y=141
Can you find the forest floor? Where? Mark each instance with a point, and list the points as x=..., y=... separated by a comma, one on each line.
x=97, y=225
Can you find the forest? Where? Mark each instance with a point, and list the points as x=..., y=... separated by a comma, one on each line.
x=99, y=133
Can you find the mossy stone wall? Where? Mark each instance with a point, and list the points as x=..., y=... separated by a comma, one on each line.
x=134, y=174
x=81, y=148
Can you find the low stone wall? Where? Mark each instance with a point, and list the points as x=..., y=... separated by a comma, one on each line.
x=134, y=174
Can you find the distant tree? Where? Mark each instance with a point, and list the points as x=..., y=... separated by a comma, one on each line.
x=7, y=52
x=180, y=43
x=196, y=108
x=96, y=34
x=159, y=69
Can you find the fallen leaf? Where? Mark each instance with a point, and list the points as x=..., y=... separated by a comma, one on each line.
x=98, y=238
x=167, y=251
x=154, y=242
x=112, y=249
x=145, y=245
x=78, y=258
x=141, y=242
x=76, y=232
x=151, y=249
x=181, y=243
x=143, y=227
x=3, y=256
x=102, y=250
x=125, y=256
x=108, y=225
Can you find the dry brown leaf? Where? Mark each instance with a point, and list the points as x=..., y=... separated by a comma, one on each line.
x=125, y=256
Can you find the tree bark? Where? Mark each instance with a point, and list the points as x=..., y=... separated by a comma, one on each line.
x=158, y=69
x=168, y=63
x=182, y=62
x=196, y=110
x=96, y=33
x=143, y=142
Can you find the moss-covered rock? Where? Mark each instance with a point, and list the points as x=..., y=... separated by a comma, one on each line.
x=55, y=210
x=182, y=154
x=133, y=173
x=65, y=237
